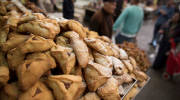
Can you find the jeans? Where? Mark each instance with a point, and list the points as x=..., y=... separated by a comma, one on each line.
x=120, y=39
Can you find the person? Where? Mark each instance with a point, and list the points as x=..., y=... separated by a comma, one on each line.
x=102, y=20
x=68, y=9
x=169, y=30
x=165, y=13
x=119, y=7
x=55, y=8
x=129, y=23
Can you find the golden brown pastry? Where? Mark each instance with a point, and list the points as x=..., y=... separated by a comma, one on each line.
x=103, y=60
x=132, y=93
x=80, y=48
x=128, y=65
x=26, y=18
x=77, y=70
x=15, y=58
x=96, y=75
x=3, y=96
x=63, y=23
x=133, y=62
x=30, y=17
x=92, y=34
x=105, y=39
x=36, y=44
x=91, y=58
x=3, y=20
x=3, y=60
x=118, y=66
x=65, y=57
x=4, y=75
x=141, y=76
x=123, y=54
x=45, y=55
x=11, y=91
x=13, y=34
x=77, y=27
x=13, y=19
x=115, y=50
x=11, y=6
x=99, y=46
x=90, y=96
x=110, y=90
x=138, y=54
x=66, y=87
x=133, y=75
x=125, y=78
x=47, y=28
x=3, y=10
x=13, y=42
x=142, y=84
x=33, y=68
x=4, y=33
x=121, y=91
x=37, y=92
x=63, y=41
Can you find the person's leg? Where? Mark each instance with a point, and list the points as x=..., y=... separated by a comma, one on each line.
x=161, y=57
x=155, y=34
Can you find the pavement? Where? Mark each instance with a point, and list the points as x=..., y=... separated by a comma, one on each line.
x=157, y=88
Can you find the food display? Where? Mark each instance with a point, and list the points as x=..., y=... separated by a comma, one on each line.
x=138, y=54
x=53, y=59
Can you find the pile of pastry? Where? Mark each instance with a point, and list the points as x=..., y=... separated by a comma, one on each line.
x=52, y=59
x=138, y=54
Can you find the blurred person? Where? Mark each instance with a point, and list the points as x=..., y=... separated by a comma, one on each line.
x=36, y=2
x=53, y=2
x=169, y=30
x=129, y=23
x=68, y=9
x=119, y=8
x=102, y=20
x=164, y=13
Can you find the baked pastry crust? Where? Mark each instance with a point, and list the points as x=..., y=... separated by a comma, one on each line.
x=66, y=87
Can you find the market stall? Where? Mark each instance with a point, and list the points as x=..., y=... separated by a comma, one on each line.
x=44, y=58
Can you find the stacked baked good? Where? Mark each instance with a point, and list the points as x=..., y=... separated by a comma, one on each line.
x=52, y=59
x=138, y=54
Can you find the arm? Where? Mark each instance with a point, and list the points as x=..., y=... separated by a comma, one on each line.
x=158, y=11
x=120, y=19
x=140, y=24
x=161, y=11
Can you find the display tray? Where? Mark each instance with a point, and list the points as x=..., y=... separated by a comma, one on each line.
x=139, y=89
x=127, y=88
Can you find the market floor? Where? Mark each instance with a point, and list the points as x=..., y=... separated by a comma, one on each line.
x=157, y=88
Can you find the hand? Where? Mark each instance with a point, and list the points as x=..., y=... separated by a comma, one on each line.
x=163, y=12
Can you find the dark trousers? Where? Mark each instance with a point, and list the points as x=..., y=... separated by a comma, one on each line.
x=156, y=34
x=161, y=58
x=120, y=39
